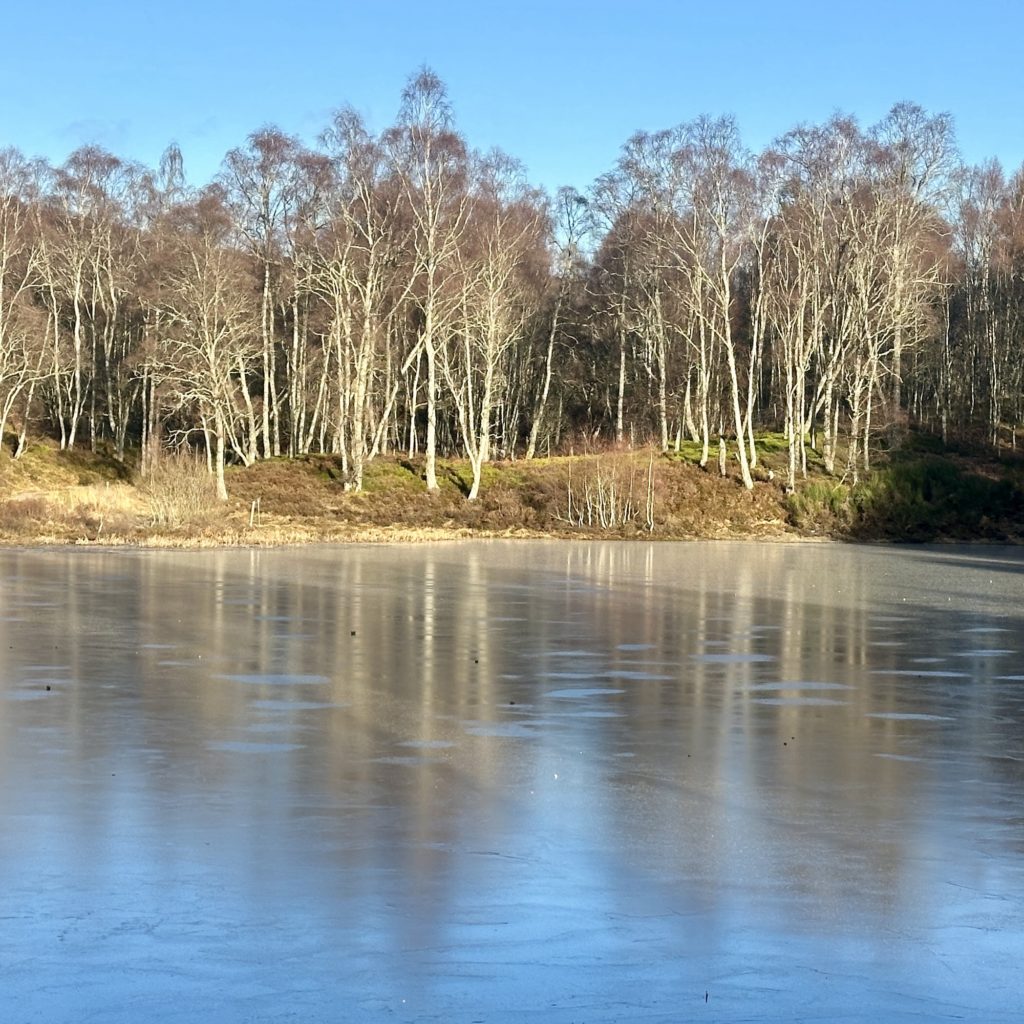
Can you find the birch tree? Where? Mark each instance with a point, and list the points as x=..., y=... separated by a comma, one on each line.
x=364, y=276
x=22, y=329
x=207, y=300
x=430, y=161
x=505, y=231
x=261, y=190
x=572, y=224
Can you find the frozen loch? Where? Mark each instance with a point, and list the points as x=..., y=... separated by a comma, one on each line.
x=512, y=782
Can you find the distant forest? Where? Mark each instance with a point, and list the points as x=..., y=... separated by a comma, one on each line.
x=399, y=291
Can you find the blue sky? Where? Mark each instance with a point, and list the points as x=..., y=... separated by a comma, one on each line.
x=559, y=84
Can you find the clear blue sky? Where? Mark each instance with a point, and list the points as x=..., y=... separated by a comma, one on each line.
x=559, y=84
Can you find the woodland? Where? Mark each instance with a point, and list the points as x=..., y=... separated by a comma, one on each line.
x=395, y=291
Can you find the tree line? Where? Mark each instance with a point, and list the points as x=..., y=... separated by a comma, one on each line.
x=398, y=291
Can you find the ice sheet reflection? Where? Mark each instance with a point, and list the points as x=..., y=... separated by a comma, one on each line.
x=512, y=783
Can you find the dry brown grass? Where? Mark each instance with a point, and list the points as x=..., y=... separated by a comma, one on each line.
x=61, y=497
x=179, y=490
x=70, y=514
x=69, y=499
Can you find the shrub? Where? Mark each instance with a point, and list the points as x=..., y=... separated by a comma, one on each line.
x=180, y=490
x=23, y=514
x=821, y=505
x=609, y=492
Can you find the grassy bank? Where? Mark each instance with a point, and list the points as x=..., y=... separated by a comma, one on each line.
x=920, y=491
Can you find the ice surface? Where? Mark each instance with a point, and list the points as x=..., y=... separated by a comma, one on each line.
x=513, y=783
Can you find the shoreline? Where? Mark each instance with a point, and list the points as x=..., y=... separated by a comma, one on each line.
x=416, y=538
x=60, y=499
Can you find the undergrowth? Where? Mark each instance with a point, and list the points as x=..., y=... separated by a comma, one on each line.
x=916, y=498
x=918, y=490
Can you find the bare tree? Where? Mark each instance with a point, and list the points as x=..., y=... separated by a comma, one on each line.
x=505, y=232
x=364, y=276
x=913, y=163
x=22, y=330
x=260, y=183
x=430, y=160
x=702, y=183
x=207, y=300
x=572, y=224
